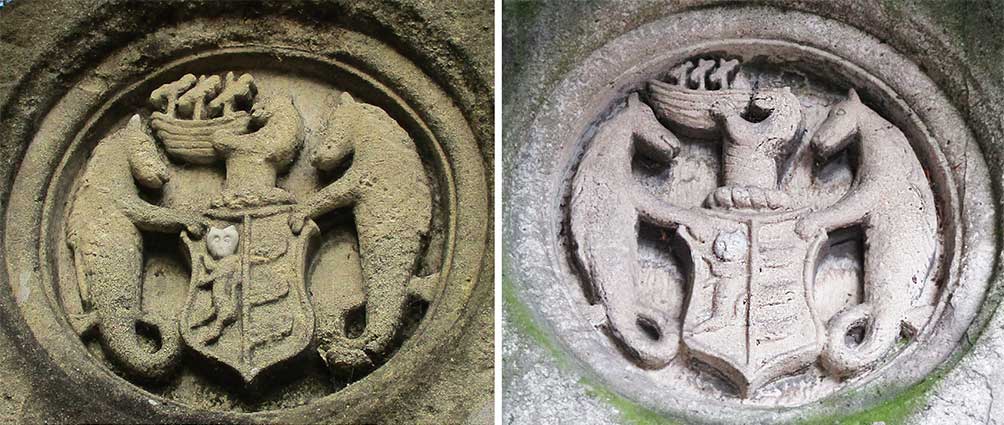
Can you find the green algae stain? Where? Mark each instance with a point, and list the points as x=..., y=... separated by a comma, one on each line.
x=980, y=46
x=631, y=413
x=894, y=411
x=520, y=316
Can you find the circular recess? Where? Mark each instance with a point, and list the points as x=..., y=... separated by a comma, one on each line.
x=666, y=359
x=289, y=60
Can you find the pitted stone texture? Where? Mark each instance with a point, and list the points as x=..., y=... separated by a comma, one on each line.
x=759, y=331
x=536, y=390
x=250, y=310
x=539, y=83
x=969, y=393
x=445, y=65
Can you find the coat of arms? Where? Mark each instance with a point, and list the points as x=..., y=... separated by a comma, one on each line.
x=751, y=247
x=248, y=307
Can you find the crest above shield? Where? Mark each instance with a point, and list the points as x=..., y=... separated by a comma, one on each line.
x=252, y=228
x=753, y=247
x=746, y=236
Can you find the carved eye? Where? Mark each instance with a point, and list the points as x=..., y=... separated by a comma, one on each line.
x=841, y=111
x=216, y=238
x=226, y=239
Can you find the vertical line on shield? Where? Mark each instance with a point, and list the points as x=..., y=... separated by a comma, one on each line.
x=750, y=261
x=245, y=279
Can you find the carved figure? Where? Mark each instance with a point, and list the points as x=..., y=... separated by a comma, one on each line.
x=388, y=191
x=235, y=92
x=724, y=75
x=699, y=76
x=103, y=231
x=224, y=276
x=752, y=250
x=748, y=315
x=187, y=118
x=247, y=305
x=684, y=103
x=604, y=205
x=254, y=159
x=891, y=200
x=752, y=150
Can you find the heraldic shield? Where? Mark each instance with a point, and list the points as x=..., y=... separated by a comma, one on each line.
x=196, y=230
x=750, y=308
x=740, y=233
x=247, y=305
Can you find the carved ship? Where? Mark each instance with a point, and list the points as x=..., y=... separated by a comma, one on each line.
x=190, y=140
x=685, y=110
x=193, y=109
x=684, y=104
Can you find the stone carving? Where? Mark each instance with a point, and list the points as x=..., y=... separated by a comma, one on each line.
x=387, y=189
x=892, y=200
x=223, y=270
x=600, y=211
x=103, y=231
x=276, y=320
x=247, y=304
x=751, y=249
x=187, y=328
x=751, y=150
x=253, y=160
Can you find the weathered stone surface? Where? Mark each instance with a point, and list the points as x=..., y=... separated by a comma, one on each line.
x=202, y=224
x=562, y=110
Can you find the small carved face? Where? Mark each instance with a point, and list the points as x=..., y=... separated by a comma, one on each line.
x=222, y=242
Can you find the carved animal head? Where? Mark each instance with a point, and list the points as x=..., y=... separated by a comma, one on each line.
x=345, y=125
x=261, y=112
x=145, y=160
x=222, y=242
x=763, y=104
x=275, y=131
x=839, y=128
x=653, y=140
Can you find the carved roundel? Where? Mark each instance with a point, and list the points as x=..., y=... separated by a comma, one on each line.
x=753, y=218
x=244, y=228
x=786, y=231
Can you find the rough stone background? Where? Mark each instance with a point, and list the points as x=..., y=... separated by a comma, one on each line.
x=51, y=39
x=963, y=41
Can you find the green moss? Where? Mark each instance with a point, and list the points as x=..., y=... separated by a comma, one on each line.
x=893, y=411
x=632, y=413
x=519, y=315
x=965, y=22
x=520, y=9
